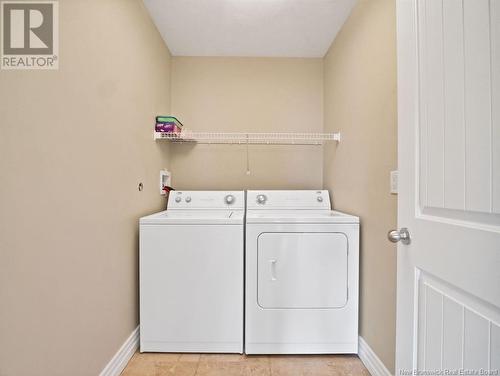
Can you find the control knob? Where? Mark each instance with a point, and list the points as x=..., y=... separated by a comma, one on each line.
x=261, y=199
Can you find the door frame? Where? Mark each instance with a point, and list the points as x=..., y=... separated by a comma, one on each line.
x=408, y=118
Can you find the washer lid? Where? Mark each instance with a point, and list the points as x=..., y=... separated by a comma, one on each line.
x=194, y=217
x=299, y=216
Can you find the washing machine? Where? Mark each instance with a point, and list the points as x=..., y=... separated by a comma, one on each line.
x=191, y=274
x=301, y=275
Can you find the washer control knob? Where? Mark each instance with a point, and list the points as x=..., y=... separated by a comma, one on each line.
x=261, y=199
x=229, y=199
x=188, y=199
x=177, y=199
x=319, y=198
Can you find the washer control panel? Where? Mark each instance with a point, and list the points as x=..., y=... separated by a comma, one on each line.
x=206, y=200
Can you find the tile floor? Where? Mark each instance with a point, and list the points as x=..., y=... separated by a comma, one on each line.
x=150, y=364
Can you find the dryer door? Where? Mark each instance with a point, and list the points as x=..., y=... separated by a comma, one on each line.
x=302, y=270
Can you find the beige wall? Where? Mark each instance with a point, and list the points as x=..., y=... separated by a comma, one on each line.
x=74, y=144
x=360, y=101
x=247, y=95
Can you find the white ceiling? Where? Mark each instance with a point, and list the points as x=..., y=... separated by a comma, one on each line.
x=273, y=28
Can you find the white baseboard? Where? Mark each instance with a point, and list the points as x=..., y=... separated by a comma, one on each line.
x=371, y=360
x=119, y=361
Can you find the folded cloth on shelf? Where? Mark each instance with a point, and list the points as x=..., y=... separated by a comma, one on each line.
x=167, y=127
x=169, y=119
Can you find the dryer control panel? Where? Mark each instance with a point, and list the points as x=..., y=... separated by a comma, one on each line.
x=272, y=200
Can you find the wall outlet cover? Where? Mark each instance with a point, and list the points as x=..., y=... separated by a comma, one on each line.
x=165, y=180
x=394, y=182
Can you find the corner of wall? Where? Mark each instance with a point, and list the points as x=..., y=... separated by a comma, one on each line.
x=360, y=101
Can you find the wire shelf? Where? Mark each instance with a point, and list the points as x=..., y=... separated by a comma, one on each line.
x=276, y=138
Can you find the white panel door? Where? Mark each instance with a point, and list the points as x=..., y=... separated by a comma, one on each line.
x=302, y=270
x=448, y=308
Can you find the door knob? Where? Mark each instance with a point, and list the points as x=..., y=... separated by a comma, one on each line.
x=402, y=235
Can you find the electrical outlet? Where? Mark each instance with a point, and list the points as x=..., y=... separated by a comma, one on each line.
x=394, y=182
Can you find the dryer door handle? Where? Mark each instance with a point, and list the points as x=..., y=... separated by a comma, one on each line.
x=272, y=263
